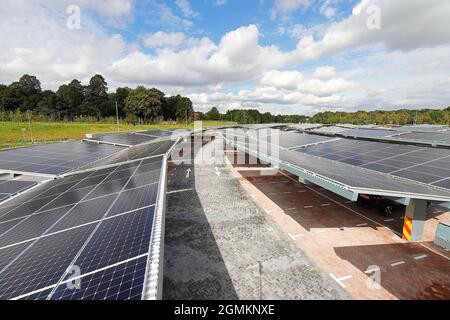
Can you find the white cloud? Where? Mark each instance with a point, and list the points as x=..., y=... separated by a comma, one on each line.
x=296, y=81
x=237, y=57
x=36, y=41
x=405, y=25
x=405, y=64
x=287, y=6
x=290, y=5
x=220, y=2
x=325, y=73
x=113, y=12
x=186, y=8
x=328, y=12
x=162, y=39
x=283, y=90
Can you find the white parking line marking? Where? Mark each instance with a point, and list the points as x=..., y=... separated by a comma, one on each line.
x=361, y=224
x=422, y=256
x=302, y=191
x=295, y=237
x=397, y=263
x=320, y=231
x=389, y=220
x=339, y=280
x=308, y=207
x=367, y=218
x=325, y=205
x=290, y=209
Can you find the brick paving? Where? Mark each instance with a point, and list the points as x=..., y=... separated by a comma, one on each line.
x=220, y=245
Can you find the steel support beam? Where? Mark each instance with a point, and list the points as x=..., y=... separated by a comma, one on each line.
x=403, y=201
x=415, y=217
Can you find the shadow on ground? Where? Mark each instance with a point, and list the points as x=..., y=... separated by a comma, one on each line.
x=419, y=275
x=194, y=267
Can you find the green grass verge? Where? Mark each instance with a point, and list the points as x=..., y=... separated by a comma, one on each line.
x=45, y=132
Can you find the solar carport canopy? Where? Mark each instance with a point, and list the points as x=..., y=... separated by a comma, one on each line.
x=126, y=139
x=98, y=223
x=9, y=188
x=436, y=137
x=138, y=137
x=136, y=152
x=55, y=158
x=285, y=139
x=421, y=164
x=338, y=162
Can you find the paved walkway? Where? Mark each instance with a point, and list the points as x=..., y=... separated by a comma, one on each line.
x=220, y=245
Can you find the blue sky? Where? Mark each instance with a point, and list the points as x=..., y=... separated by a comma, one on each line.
x=282, y=56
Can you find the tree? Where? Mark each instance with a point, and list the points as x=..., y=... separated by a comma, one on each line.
x=170, y=107
x=71, y=98
x=48, y=105
x=96, y=103
x=212, y=114
x=24, y=94
x=120, y=96
x=184, y=108
x=144, y=103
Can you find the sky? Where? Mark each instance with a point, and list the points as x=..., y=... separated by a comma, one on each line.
x=281, y=56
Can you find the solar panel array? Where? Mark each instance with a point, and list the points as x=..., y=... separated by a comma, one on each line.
x=126, y=139
x=98, y=222
x=366, y=133
x=54, y=159
x=436, y=137
x=312, y=160
x=284, y=139
x=425, y=165
x=138, y=137
x=332, y=130
x=423, y=128
x=9, y=188
x=135, y=153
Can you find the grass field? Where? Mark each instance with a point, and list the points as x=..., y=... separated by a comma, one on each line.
x=43, y=132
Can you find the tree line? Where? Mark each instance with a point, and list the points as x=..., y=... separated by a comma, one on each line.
x=399, y=117
x=75, y=101
x=251, y=116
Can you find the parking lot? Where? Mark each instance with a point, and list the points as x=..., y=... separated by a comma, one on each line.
x=358, y=247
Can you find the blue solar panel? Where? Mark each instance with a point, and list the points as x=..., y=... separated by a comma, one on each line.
x=100, y=220
x=425, y=165
x=117, y=239
x=55, y=158
x=121, y=282
x=43, y=264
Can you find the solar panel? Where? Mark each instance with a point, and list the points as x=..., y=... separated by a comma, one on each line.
x=435, y=137
x=285, y=139
x=9, y=188
x=367, y=133
x=54, y=159
x=330, y=130
x=320, y=160
x=156, y=133
x=136, y=152
x=421, y=164
x=100, y=221
x=423, y=128
x=127, y=138
x=121, y=282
